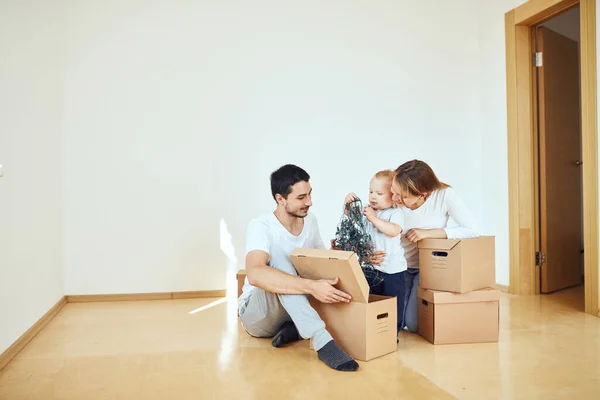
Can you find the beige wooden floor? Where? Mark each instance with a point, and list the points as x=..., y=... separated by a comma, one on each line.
x=157, y=350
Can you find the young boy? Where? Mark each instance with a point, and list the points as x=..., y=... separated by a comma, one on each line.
x=384, y=224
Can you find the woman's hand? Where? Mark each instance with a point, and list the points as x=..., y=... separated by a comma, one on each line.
x=378, y=257
x=414, y=235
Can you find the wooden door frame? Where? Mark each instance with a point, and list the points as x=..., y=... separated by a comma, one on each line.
x=522, y=144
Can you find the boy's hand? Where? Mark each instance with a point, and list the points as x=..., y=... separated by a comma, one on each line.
x=369, y=213
x=350, y=198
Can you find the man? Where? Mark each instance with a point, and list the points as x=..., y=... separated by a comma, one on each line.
x=274, y=302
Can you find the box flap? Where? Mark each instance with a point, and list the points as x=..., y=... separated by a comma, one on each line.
x=425, y=294
x=437, y=297
x=438, y=244
x=328, y=264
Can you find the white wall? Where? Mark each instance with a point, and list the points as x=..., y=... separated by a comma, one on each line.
x=177, y=112
x=492, y=86
x=31, y=70
x=493, y=128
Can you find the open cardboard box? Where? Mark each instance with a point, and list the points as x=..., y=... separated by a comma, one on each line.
x=241, y=279
x=459, y=266
x=366, y=327
x=451, y=318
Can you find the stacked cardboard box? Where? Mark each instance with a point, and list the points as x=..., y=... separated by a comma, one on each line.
x=366, y=327
x=241, y=279
x=456, y=301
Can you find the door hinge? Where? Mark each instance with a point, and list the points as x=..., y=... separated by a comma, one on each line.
x=538, y=60
x=540, y=258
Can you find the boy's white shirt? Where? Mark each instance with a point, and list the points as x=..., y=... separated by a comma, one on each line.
x=394, y=261
x=267, y=234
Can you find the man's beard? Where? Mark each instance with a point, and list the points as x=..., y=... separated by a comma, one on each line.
x=295, y=213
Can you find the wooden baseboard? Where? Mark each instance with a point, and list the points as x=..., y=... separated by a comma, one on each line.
x=21, y=342
x=89, y=298
x=503, y=288
x=202, y=294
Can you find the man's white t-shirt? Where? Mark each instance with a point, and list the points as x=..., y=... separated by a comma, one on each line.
x=435, y=213
x=394, y=260
x=267, y=234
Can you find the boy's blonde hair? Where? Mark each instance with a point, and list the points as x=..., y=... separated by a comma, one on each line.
x=386, y=174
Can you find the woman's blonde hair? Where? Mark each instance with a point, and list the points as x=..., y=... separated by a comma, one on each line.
x=417, y=178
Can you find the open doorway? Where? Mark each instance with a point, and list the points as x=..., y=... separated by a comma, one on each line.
x=523, y=172
x=559, y=194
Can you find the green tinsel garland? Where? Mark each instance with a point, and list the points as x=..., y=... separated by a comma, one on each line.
x=351, y=235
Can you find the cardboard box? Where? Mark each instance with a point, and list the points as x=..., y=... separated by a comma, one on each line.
x=366, y=327
x=459, y=266
x=241, y=278
x=451, y=318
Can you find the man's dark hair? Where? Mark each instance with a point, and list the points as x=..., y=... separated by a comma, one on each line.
x=285, y=177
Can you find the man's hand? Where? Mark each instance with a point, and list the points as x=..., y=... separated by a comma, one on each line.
x=370, y=213
x=414, y=235
x=324, y=291
x=378, y=257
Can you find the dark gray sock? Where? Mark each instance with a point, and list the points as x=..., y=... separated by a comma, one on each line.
x=288, y=333
x=336, y=358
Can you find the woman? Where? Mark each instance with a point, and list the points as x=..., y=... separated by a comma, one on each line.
x=427, y=204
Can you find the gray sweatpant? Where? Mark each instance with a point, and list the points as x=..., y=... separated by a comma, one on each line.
x=263, y=314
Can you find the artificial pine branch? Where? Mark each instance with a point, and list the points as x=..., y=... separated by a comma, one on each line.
x=351, y=235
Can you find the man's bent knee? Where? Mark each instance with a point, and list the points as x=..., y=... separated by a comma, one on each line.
x=256, y=331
